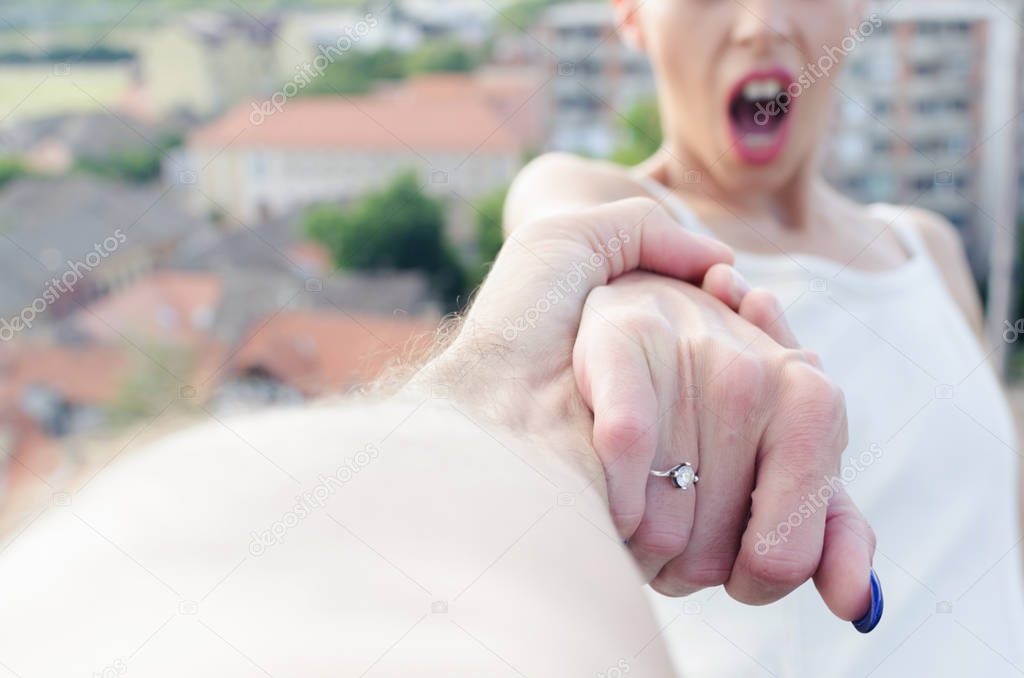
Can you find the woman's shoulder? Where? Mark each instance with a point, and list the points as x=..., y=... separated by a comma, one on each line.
x=603, y=175
x=945, y=247
x=556, y=182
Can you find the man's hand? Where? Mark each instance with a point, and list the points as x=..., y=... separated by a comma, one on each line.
x=513, y=353
x=675, y=375
x=769, y=421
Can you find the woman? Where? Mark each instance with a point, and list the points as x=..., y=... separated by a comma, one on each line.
x=881, y=293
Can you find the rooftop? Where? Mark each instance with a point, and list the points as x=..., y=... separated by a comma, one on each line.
x=435, y=114
x=317, y=352
x=51, y=223
x=84, y=375
x=172, y=306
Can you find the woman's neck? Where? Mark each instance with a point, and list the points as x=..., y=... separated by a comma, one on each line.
x=795, y=206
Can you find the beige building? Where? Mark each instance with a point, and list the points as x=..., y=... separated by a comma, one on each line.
x=205, y=62
x=464, y=138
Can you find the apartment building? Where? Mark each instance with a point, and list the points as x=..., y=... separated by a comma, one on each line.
x=594, y=77
x=927, y=111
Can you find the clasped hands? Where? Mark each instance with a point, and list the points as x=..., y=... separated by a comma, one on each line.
x=622, y=325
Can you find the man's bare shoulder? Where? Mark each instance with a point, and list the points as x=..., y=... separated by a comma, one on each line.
x=557, y=182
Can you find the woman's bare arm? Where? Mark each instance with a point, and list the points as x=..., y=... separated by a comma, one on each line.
x=560, y=182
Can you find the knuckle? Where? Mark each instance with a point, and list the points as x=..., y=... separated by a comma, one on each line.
x=781, y=569
x=646, y=323
x=870, y=537
x=661, y=544
x=814, y=399
x=762, y=305
x=643, y=204
x=814, y=386
x=626, y=519
x=741, y=386
x=708, y=572
x=608, y=301
x=622, y=431
x=636, y=209
x=747, y=371
x=673, y=587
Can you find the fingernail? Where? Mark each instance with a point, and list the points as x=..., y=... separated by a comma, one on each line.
x=740, y=286
x=869, y=621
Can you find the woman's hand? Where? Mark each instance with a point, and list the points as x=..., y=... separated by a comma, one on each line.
x=769, y=418
x=513, y=353
x=675, y=375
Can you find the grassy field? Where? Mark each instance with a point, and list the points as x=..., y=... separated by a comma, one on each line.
x=35, y=90
x=66, y=13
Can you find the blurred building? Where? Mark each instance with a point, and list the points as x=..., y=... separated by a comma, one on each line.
x=46, y=87
x=54, y=391
x=595, y=78
x=205, y=62
x=464, y=135
x=927, y=109
x=52, y=144
x=357, y=29
x=468, y=22
x=167, y=306
x=70, y=240
x=296, y=355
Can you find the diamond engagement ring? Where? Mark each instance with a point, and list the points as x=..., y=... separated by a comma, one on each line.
x=682, y=476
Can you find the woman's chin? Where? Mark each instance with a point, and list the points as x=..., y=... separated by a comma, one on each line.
x=769, y=176
x=764, y=165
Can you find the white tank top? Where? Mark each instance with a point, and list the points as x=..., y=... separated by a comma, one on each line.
x=932, y=463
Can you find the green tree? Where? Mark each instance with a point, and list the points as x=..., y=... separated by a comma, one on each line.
x=398, y=228
x=1016, y=348
x=489, y=235
x=442, y=57
x=642, y=126
x=356, y=72
x=138, y=164
x=10, y=169
x=489, y=225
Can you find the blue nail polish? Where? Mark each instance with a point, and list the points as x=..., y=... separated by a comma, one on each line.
x=868, y=622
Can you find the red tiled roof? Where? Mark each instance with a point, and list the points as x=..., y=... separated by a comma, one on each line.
x=319, y=352
x=172, y=306
x=85, y=375
x=313, y=257
x=437, y=113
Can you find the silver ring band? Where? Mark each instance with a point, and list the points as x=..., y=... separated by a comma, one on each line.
x=682, y=476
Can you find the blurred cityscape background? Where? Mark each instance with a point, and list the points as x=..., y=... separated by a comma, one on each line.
x=209, y=206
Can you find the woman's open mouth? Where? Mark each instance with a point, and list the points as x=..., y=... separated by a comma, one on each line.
x=759, y=110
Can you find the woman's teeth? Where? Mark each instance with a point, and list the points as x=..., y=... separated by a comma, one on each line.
x=761, y=90
x=757, y=90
